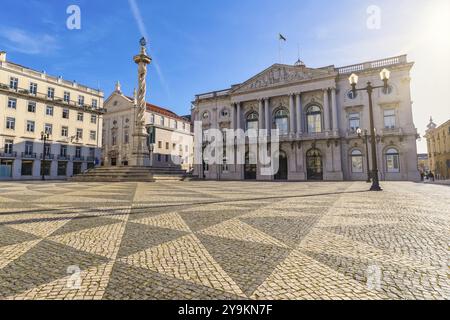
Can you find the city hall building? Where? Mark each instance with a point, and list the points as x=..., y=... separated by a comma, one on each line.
x=32, y=103
x=318, y=117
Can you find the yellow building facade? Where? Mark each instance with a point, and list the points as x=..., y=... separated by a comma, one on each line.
x=438, y=141
x=33, y=103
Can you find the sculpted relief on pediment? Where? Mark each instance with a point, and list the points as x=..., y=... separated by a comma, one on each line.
x=279, y=75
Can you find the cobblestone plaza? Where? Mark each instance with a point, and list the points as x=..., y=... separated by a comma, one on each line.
x=227, y=240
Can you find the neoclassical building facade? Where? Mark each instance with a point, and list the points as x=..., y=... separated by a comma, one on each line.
x=318, y=118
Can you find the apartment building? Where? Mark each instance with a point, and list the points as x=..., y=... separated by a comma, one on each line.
x=33, y=105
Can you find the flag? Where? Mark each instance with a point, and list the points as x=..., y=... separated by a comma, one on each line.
x=282, y=37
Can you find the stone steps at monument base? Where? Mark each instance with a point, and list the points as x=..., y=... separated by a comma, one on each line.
x=132, y=174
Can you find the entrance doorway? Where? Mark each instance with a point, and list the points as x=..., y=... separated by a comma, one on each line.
x=283, y=167
x=250, y=167
x=314, y=165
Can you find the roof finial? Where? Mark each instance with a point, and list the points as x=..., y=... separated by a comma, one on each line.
x=135, y=96
x=118, y=89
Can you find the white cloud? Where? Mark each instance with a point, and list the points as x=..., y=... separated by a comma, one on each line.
x=21, y=41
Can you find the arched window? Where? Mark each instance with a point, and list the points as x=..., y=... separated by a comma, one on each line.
x=252, y=121
x=357, y=161
x=282, y=121
x=392, y=161
x=314, y=119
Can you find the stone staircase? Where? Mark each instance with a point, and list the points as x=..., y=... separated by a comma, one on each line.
x=132, y=174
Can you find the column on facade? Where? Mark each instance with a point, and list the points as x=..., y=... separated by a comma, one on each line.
x=326, y=110
x=292, y=114
x=267, y=116
x=261, y=114
x=233, y=116
x=238, y=116
x=334, y=110
x=299, y=113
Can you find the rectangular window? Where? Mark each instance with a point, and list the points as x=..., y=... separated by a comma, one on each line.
x=159, y=158
x=13, y=83
x=80, y=116
x=49, y=111
x=80, y=134
x=27, y=168
x=63, y=151
x=162, y=121
x=65, y=113
x=160, y=144
x=29, y=148
x=33, y=88
x=354, y=121
x=62, y=168
x=175, y=125
x=174, y=146
x=51, y=93
x=30, y=126
x=114, y=140
x=93, y=118
x=64, y=132
x=45, y=168
x=389, y=119
x=167, y=146
x=94, y=103
x=92, y=135
x=167, y=158
x=152, y=119
x=9, y=146
x=12, y=103
x=126, y=137
x=10, y=123
x=81, y=101
x=32, y=107
x=48, y=128
x=66, y=96
x=78, y=152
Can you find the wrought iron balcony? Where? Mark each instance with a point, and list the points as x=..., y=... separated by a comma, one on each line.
x=63, y=157
x=27, y=155
x=47, y=156
x=78, y=158
x=10, y=155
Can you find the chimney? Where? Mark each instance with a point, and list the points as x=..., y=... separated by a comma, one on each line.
x=2, y=56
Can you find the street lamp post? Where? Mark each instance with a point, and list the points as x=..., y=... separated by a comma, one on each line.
x=384, y=75
x=366, y=141
x=44, y=137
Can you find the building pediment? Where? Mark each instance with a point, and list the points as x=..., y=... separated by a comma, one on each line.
x=279, y=75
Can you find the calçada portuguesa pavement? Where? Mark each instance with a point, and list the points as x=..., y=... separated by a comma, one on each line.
x=223, y=240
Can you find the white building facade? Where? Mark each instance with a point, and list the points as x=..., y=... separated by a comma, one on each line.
x=32, y=103
x=318, y=118
x=170, y=142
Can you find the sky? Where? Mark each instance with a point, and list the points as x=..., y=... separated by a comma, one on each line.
x=205, y=45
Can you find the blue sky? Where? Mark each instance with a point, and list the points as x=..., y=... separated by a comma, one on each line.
x=204, y=45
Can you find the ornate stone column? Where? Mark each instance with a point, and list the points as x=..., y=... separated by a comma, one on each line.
x=267, y=116
x=261, y=114
x=334, y=111
x=233, y=116
x=140, y=156
x=326, y=110
x=292, y=114
x=299, y=114
x=238, y=116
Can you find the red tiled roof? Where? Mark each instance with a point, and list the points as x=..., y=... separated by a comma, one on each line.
x=162, y=111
